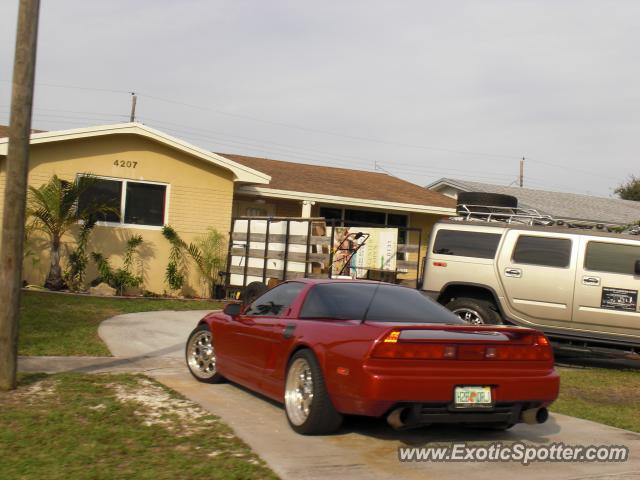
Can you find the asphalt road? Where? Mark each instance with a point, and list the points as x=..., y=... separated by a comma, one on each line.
x=364, y=448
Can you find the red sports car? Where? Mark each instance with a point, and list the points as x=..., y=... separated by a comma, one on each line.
x=328, y=348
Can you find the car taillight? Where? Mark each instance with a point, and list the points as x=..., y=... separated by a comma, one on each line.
x=392, y=346
x=539, y=349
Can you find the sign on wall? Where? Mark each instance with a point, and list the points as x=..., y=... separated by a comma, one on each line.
x=359, y=249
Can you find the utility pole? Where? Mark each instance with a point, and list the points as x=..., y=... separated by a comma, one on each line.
x=134, y=99
x=15, y=197
x=522, y=172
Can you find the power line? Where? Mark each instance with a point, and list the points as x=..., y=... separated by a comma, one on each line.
x=298, y=127
x=280, y=149
x=270, y=150
x=281, y=124
x=75, y=87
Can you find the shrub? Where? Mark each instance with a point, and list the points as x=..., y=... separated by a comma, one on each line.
x=120, y=278
x=208, y=252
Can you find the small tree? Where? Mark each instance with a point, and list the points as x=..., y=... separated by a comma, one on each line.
x=177, y=268
x=207, y=252
x=74, y=274
x=53, y=209
x=630, y=190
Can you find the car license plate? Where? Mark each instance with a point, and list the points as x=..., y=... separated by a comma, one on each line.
x=470, y=396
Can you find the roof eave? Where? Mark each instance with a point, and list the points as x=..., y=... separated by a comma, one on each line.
x=339, y=200
x=446, y=182
x=241, y=172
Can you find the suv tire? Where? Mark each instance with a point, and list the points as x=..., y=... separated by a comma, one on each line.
x=474, y=311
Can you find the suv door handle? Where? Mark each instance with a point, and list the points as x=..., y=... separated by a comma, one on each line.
x=513, y=272
x=591, y=281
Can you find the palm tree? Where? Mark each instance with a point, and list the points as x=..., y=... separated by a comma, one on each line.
x=53, y=209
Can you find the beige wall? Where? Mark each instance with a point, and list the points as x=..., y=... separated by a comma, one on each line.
x=199, y=196
x=273, y=206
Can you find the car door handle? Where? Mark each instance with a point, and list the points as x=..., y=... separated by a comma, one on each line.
x=591, y=281
x=513, y=272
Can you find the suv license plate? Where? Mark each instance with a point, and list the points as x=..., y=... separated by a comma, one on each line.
x=470, y=396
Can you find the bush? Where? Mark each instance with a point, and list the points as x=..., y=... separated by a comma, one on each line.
x=120, y=278
x=208, y=252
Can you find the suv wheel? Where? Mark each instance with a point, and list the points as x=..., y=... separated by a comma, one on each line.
x=474, y=311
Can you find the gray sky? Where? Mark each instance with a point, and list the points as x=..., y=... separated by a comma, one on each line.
x=426, y=89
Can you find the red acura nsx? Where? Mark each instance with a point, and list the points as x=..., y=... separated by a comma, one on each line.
x=328, y=348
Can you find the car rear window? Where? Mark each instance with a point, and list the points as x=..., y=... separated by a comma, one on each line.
x=543, y=251
x=466, y=244
x=611, y=257
x=373, y=302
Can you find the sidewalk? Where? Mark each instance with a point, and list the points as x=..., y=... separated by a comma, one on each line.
x=140, y=364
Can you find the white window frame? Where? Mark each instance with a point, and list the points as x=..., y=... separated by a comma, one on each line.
x=123, y=200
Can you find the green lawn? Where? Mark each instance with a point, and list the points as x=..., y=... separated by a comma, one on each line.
x=76, y=426
x=53, y=324
x=602, y=395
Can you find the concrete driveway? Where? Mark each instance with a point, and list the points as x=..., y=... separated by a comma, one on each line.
x=364, y=448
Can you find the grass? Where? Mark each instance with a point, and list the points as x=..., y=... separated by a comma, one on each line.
x=601, y=395
x=52, y=324
x=77, y=426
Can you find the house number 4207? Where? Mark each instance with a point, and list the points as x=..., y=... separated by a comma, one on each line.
x=125, y=164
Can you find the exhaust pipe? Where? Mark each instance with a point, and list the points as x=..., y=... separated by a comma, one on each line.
x=535, y=415
x=398, y=418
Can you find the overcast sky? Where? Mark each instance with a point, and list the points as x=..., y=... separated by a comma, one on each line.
x=426, y=89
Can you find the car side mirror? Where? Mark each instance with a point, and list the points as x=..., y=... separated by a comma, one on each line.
x=232, y=309
x=637, y=267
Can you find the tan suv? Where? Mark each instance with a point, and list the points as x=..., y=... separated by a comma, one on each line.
x=578, y=286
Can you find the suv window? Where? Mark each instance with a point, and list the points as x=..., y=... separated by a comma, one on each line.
x=544, y=251
x=466, y=244
x=276, y=300
x=611, y=257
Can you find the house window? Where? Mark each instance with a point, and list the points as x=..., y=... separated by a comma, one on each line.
x=365, y=216
x=107, y=193
x=132, y=203
x=351, y=217
x=332, y=214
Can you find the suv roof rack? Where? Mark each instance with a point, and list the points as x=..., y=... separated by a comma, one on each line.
x=531, y=217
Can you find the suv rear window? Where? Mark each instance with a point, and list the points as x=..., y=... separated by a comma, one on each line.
x=544, y=251
x=466, y=244
x=611, y=257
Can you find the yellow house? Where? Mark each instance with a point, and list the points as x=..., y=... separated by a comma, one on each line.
x=155, y=179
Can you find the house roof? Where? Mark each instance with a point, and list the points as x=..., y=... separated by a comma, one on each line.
x=243, y=173
x=562, y=205
x=342, y=185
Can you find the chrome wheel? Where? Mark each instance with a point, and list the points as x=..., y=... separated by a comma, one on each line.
x=298, y=394
x=470, y=316
x=201, y=355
